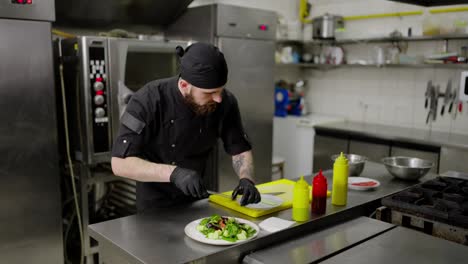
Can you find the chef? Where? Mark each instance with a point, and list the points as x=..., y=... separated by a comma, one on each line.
x=171, y=125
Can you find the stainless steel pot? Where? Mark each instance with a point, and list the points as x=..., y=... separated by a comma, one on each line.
x=326, y=25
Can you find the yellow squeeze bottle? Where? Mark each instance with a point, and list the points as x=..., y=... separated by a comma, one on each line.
x=340, y=180
x=300, y=210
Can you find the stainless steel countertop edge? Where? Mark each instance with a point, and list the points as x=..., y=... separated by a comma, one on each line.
x=100, y=238
x=370, y=228
x=334, y=127
x=383, y=249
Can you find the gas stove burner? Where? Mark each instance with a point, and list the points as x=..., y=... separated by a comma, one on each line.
x=434, y=185
x=407, y=197
x=455, y=197
x=442, y=199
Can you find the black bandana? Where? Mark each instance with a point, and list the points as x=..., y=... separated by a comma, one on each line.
x=203, y=66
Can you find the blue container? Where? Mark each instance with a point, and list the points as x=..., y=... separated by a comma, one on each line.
x=281, y=101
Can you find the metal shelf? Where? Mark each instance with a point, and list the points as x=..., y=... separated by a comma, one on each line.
x=428, y=3
x=331, y=67
x=371, y=40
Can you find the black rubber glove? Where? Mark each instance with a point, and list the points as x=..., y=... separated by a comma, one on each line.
x=248, y=190
x=189, y=182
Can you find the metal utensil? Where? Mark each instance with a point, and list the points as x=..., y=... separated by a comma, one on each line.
x=455, y=101
x=229, y=196
x=453, y=96
x=436, y=102
x=407, y=168
x=263, y=201
x=428, y=93
x=428, y=116
x=273, y=193
x=220, y=194
x=447, y=96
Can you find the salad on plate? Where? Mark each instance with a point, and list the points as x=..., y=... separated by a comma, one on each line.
x=225, y=228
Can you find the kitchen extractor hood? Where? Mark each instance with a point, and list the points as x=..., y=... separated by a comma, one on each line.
x=118, y=12
x=432, y=2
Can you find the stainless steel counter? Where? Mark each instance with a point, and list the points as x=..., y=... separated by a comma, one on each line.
x=402, y=245
x=158, y=236
x=398, y=134
x=317, y=246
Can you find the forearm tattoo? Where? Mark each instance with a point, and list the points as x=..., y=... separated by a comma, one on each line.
x=243, y=165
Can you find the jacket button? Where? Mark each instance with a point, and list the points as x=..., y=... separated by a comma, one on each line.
x=173, y=163
x=172, y=121
x=173, y=145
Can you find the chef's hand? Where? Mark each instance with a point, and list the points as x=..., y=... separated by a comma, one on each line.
x=189, y=182
x=248, y=190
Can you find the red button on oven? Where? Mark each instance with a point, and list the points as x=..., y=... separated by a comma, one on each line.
x=20, y=1
x=29, y=2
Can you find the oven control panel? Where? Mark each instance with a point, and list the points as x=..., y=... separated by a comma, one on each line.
x=98, y=90
x=43, y=10
x=22, y=2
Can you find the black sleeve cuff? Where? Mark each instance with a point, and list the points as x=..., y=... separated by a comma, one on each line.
x=236, y=149
x=126, y=146
x=120, y=148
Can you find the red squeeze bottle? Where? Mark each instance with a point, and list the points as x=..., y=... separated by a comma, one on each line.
x=319, y=194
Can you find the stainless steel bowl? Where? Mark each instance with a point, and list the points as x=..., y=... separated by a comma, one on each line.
x=407, y=168
x=355, y=162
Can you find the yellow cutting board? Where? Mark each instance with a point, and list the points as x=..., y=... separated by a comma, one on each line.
x=283, y=185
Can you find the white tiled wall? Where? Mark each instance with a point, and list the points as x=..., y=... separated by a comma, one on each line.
x=381, y=95
x=376, y=95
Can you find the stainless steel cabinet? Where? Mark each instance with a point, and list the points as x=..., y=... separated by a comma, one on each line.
x=250, y=79
x=30, y=219
x=373, y=151
x=452, y=159
x=325, y=147
x=432, y=156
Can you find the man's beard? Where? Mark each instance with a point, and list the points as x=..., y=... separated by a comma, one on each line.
x=200, y=110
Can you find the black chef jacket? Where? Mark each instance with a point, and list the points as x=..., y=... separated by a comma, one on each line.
x=160, y=127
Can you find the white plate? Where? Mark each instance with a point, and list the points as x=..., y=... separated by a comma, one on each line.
x=267, y=202
x=354, y=180
x=192, y=232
